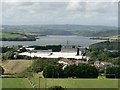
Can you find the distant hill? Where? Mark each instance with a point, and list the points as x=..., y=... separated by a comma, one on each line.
x=83, y=30
x=16, y=37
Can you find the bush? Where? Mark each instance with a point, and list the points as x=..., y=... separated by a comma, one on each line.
x=53, y=71
x=113, y=72
x=1, y=70
x=81, y=71
x=56, y=88
x=75, y=71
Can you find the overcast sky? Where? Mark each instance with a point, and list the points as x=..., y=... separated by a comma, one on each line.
x=83, y=13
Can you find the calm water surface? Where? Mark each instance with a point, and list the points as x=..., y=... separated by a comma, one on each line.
x=55, y=40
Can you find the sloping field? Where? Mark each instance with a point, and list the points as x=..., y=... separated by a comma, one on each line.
x=16, y=66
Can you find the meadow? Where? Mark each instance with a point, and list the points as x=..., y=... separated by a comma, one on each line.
x=16, y=83
x=76, y=83
x=10, y=35
x=65, y=83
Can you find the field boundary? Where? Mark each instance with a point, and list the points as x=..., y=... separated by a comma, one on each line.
x=31, y=83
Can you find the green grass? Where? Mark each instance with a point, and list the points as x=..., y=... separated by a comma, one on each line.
x=101, y=82
x=76, y=83
x=15, y=83
x=65, y=83
x=10, y=35
x=0, y=83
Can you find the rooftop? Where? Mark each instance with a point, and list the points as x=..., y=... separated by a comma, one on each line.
x=54, y=55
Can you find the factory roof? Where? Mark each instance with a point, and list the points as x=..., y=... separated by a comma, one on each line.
x=54, y=55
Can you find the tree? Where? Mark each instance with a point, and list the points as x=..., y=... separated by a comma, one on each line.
x=40, y=63
x=118, y=72
x=53, y=71
x=1, y=70
x=70, y=71
x=56, y=88
x=116, y=61
x=81, y=71
x=113, y=72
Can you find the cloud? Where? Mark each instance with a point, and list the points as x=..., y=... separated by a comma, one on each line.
x=73, y=5
x=16, y=3
x=72, y=12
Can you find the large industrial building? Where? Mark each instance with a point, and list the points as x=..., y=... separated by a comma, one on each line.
x=66, y=52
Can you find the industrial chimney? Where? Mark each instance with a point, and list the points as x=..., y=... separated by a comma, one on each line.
x=77, y=51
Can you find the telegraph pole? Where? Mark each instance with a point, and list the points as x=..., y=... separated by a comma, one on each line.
x=39, y=82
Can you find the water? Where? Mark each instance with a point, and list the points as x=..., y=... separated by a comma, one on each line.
x=55, y=40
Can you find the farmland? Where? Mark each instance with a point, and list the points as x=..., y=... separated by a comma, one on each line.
x=65, y=83
x=76, y=83
x=15, y=83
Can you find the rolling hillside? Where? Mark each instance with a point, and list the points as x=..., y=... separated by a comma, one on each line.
x=16, y=66
x=82, y=30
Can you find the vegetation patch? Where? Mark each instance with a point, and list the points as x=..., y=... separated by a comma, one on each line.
x=16, y=37
x=15, y=83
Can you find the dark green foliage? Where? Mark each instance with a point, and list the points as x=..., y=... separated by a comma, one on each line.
x=107, y=44
x=53, y=71
x=116, y=61
x=118, y=72
x=8, y=52
x=114, y=54
x=1, y=70
x=56, y=88
x=71, y=71
x=113, y=72
x=40, y=63
x=75, y=71
x=6, y=49
x=81, y=71
x=104, y=51
x=8, y=55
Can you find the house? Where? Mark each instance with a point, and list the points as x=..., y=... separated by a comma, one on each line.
x=102, y=64
x=66, y=62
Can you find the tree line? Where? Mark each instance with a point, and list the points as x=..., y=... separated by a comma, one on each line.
x=74, y=71
x=113, y=72
x=104, y=51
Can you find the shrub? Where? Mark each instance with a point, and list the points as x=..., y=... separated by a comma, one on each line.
x=56, y=88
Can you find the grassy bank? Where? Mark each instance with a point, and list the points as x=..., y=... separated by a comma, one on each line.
x=16, y=37
x=11, y=35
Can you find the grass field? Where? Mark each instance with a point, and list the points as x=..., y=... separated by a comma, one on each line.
x=15, y=83
x=66, y=83
x=9, y=35
x=76, y=83
x=102, y=82
x=0, y=83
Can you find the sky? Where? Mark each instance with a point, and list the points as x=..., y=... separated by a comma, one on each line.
x=70, y=12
